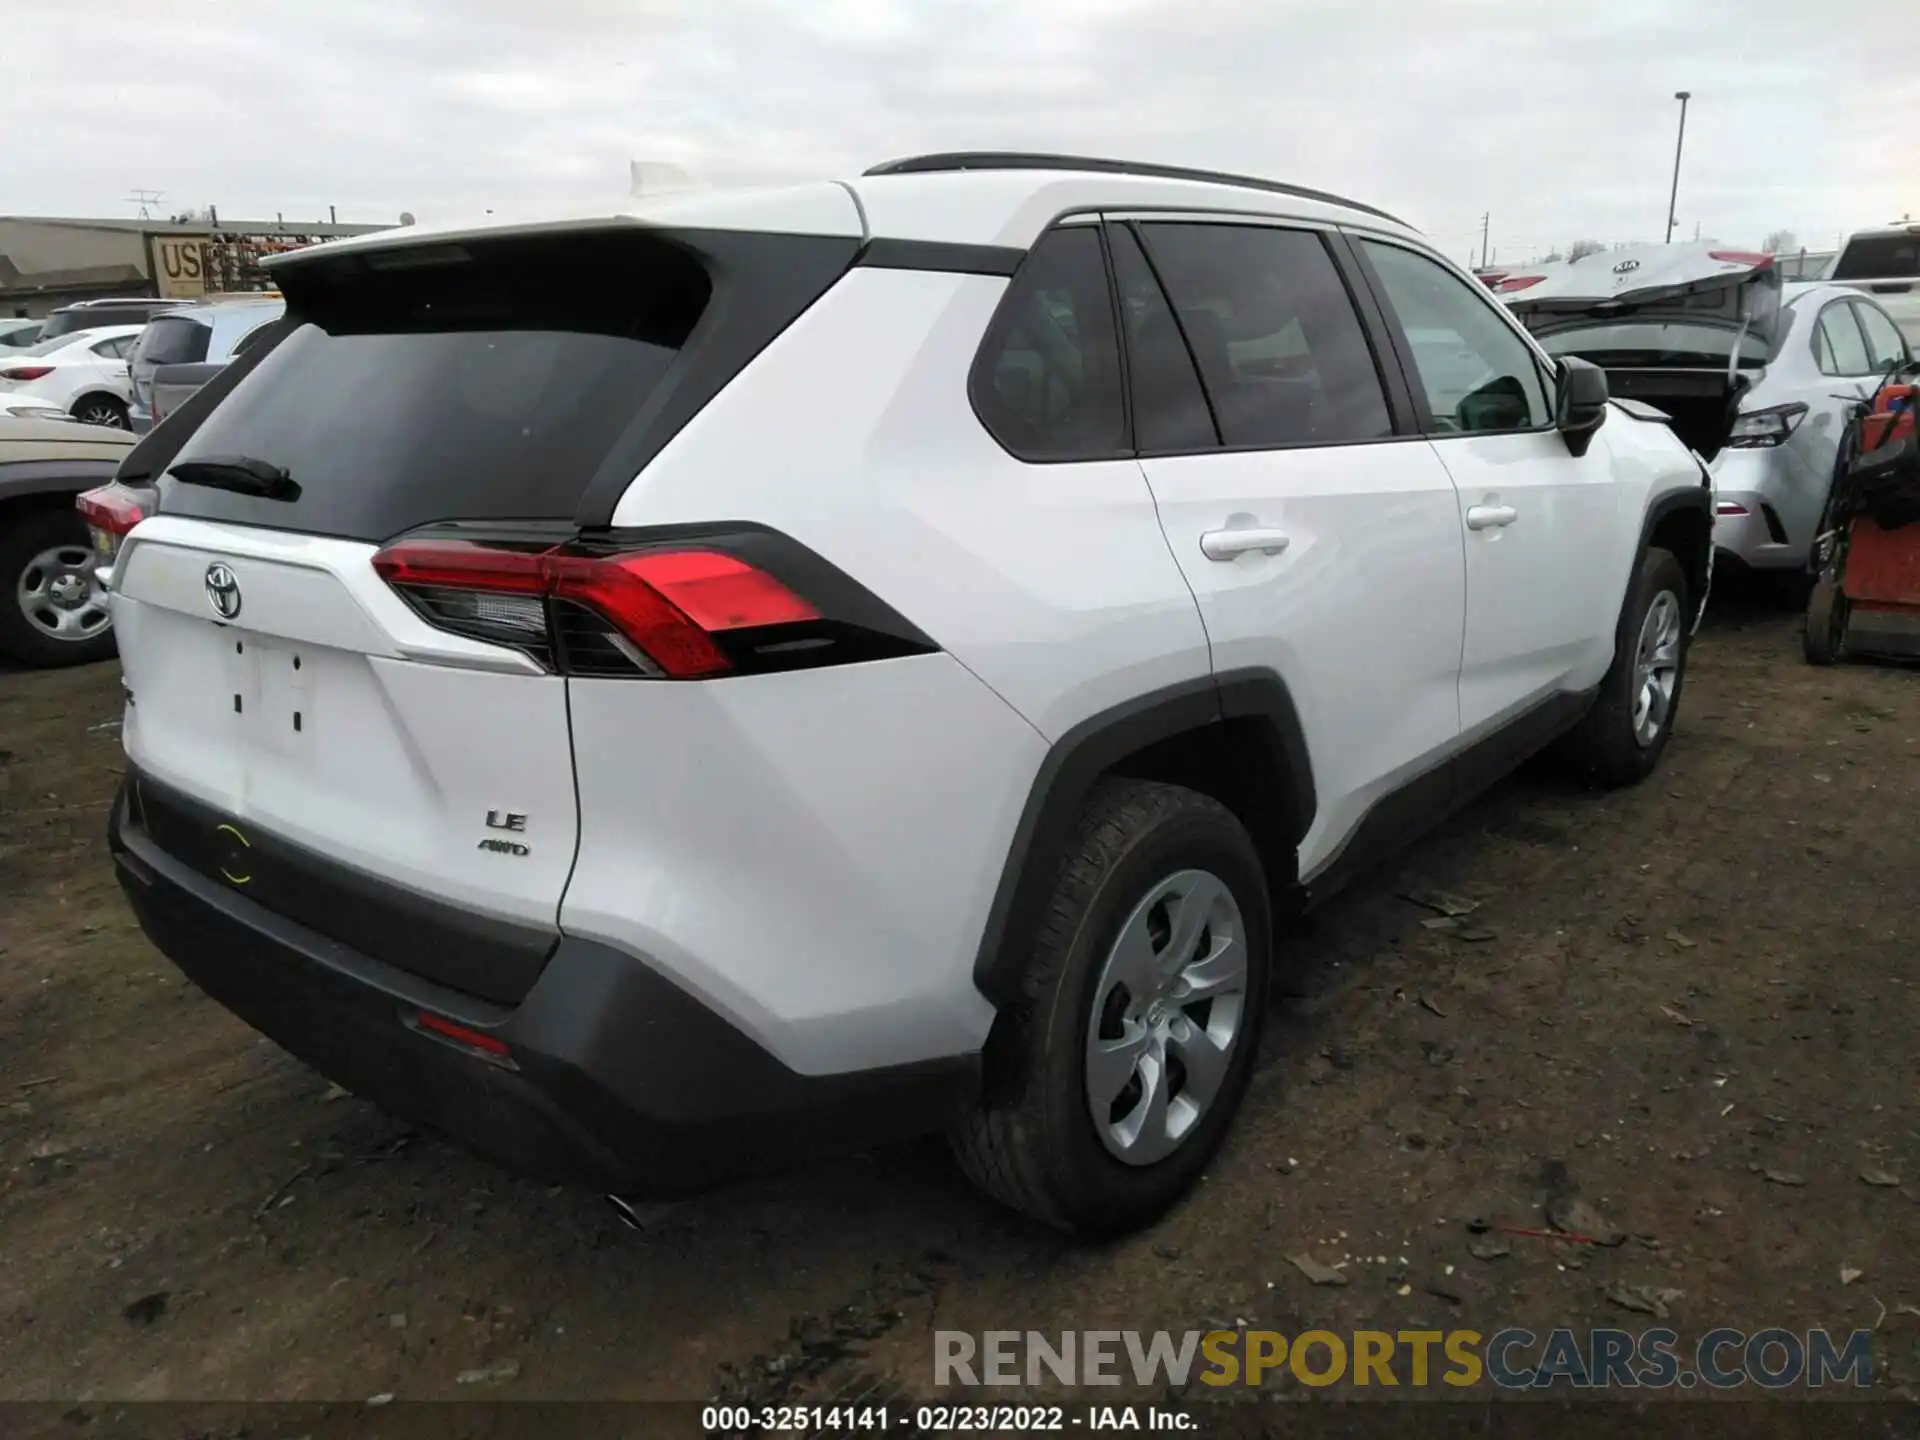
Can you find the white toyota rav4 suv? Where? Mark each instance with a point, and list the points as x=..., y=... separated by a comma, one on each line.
x=654, y=693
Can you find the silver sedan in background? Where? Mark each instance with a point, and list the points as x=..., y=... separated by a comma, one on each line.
x=1757, y=376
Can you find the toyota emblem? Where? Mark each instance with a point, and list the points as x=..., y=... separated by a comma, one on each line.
x=223, y=591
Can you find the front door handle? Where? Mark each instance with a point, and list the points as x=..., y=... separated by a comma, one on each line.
x=1489, y=517
x=1230, y=544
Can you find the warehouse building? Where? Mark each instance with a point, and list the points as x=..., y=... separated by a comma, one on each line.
x=48, y=262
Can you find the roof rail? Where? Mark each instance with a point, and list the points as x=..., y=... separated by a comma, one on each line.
x=1016, y=160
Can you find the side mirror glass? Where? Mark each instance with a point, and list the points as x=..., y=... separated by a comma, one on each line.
x=1581, y=402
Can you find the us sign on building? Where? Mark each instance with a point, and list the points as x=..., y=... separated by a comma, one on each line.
x=180, y=266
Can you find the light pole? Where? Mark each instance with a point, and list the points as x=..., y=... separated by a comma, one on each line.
x=1673, y=199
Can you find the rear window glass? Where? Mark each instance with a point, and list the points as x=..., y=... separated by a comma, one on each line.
x=1879, y=257
x=477, y=381
x=173, y=340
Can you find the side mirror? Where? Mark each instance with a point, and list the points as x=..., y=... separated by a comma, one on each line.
x=1581, y=406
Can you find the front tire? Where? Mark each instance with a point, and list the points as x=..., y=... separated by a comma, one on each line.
x=1134, y=1036
x=102, y=410
x=1623, y=736
x=52, y=609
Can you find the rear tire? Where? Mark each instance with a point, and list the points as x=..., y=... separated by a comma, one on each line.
x=1623, y=736
x=44, y=555
x=1825, y=639
x=1117, y=1077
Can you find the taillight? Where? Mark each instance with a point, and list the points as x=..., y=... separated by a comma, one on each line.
x=112, y=508
x=1518, y=282
x=111, y=511
x=26, y=372
x=1754, y=258
x=1764, y=429
x=664, y=612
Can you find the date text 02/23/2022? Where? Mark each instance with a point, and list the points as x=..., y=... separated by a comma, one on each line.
x=932, y=1419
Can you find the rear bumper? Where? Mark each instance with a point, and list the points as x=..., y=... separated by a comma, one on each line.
x=1767, y=505
x=1747, y=526
x=613, y=1077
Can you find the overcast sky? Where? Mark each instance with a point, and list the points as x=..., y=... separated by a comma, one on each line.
x=1557, y=118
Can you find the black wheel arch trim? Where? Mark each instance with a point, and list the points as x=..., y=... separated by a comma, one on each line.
x=1092, y=748
x=1674, y=502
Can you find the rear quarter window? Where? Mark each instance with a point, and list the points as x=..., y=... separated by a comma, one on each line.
x=1046, y=382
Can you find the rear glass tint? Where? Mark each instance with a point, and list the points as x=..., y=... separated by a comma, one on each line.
x=477, y=381
x=173, y=340
x=1879, y=257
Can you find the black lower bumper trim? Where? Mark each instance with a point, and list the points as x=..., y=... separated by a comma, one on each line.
x=619, y=1079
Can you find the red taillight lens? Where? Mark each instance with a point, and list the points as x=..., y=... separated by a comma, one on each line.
x=26, y=372
x=664, y=606
x=1518, y=282
x=111, y=508
x=1742, y=257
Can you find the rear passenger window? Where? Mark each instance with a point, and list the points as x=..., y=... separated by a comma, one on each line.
x=1478, y=375
x=1047, y=380
x=1169, y=408
x=1274, y=332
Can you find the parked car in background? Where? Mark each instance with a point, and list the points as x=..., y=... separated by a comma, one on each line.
x=96, y=314
x=1754, y=375
x=187, y=347
x=83, y=372
x=53, y=609
x=18, y=331
x=1886, y=265
x=30, y=407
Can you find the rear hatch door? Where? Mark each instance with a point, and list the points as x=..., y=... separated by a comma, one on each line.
x=298, y=729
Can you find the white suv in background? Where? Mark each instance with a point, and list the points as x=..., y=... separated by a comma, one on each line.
x=859, y=658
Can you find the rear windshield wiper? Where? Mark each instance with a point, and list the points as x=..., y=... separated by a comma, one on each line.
x=241, y=474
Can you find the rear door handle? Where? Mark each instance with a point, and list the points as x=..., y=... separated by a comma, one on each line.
x=1230, y=544
x=1489, y=517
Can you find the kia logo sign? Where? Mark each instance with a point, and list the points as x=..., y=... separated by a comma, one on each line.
x=223, y=591
x=1626, y=267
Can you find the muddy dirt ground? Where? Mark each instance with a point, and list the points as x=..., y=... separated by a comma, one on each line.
x=1696, y=1005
